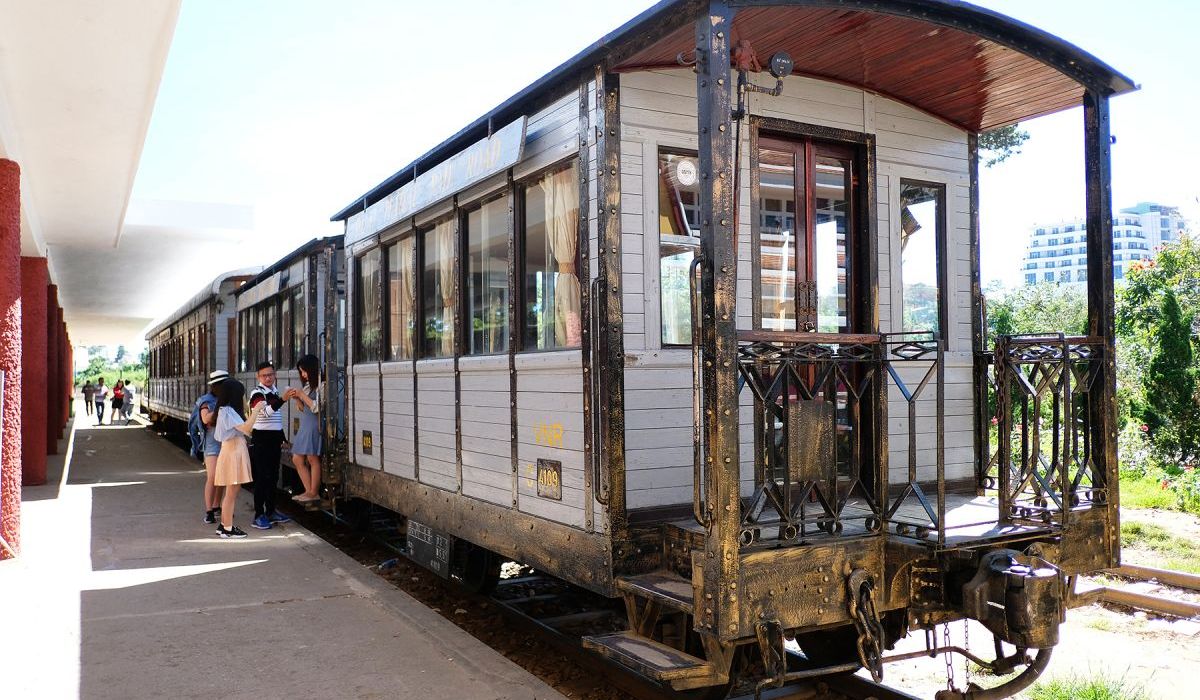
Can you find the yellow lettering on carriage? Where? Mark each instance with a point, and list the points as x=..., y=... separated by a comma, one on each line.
x=548, y=434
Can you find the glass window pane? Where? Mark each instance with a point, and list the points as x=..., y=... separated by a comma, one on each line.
x=487, y=278
x=401, y=297
x=832, y=223
x=777, y=239
x=367, y=295
x=920, y=232
x=286, y=342
x=299, y=336
x=551, y=284
x=270, y=354
x=437, y=290
x=679, y=238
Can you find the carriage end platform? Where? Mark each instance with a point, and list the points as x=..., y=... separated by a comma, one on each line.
x=125, y=593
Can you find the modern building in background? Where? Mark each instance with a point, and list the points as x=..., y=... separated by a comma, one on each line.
x=1057, y=252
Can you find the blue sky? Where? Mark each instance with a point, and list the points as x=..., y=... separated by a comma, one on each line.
x=298, y=106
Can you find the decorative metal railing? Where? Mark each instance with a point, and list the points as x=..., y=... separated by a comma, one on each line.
x=820, y=434
x=1040, y=456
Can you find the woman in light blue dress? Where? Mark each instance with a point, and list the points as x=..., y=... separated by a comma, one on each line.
x=306, y=445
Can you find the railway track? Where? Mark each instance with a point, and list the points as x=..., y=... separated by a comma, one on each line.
x=561, y=614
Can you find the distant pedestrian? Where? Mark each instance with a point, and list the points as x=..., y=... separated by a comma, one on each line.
x=89, y=390
x=233, y=463
x=207, y=407
x=306, y=445
x=100, y=396
x=127, y=405
x=118, y=401
x=265, y=447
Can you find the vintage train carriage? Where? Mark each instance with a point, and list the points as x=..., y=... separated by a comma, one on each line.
x=292, y=308
x=195, y=340
x=712, y=340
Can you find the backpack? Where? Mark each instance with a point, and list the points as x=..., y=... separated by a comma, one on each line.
x=195, y=429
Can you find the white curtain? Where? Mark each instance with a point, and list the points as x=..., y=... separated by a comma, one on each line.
x=562, y=226
x=407, y=296
x=444, y=235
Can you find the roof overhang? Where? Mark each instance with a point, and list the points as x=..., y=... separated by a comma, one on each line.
x=972, y=67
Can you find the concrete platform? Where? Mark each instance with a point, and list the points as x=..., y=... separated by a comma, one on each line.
x=125, y=593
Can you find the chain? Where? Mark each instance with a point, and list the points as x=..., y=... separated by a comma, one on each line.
x=967, y=645
x=948, y=657
x=866, y=620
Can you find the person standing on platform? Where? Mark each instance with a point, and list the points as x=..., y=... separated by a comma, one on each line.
x=266, y=443
x=118, y=402
x=306, y=446
x=89, y=390
x=233, y=464
x=207, y=406
x=100, y=396
x=127, y=403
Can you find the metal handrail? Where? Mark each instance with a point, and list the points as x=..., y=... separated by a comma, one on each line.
x=698, y=511
x=599, y=492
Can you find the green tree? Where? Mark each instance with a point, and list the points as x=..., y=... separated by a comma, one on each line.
x=1170, y=409
x=998, y=145
x=1046, y=307
x=120, y=358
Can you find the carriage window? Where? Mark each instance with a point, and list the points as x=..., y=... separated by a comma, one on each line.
x=287, y=341
x=367, y=302
x=486, y=297
x=270, y=342
x=401, y=297
x=922, y=239
x=777, y=239
x=298, y=333
x=551, y=249
x=437, y=290
x=244, y=340
x=678, y=241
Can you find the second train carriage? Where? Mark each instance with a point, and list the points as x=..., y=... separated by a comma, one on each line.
x=195, y=340
x=712, y=341
x=292, y=308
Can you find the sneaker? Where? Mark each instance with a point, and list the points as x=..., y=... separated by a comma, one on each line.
x=233, y=532
x=209, y=517
x=277, y=518
x=262, y=522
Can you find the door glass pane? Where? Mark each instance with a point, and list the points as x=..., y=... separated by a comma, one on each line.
x=679, y=238
x=487, y=278
x=831, y=219
x=920, y=218
x=777, y=239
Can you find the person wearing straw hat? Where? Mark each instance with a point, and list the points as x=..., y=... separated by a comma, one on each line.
x=207, y=408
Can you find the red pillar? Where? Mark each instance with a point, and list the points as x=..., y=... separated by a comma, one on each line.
x=10, y=357
x=53, y=376
x=34, y=278
x=66, y=374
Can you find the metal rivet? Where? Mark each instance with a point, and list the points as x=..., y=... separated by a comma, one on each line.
x=721, y=128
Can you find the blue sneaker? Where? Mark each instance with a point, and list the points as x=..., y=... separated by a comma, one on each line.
x=277, y=518
x=262, y=522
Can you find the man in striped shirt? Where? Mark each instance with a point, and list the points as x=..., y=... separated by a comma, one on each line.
x=266, y=443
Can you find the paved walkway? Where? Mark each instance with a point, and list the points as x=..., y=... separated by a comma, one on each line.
x=122, y=592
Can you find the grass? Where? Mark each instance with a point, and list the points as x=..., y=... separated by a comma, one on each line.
x=1178, y=553
x=1094, y=688
x=1146, y=492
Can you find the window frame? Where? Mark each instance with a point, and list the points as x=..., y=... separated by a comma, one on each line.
x=682, y=241
x=463, y=317
x=941, y=253
x=386, y=308
x=358, y=357
x=419, y=352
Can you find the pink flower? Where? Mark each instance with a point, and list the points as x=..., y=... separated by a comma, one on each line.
x=1165, y=484
x=1145, y=428
x=995, y=421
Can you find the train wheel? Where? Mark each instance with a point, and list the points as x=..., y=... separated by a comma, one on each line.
x=829, y=647
x=477, y=568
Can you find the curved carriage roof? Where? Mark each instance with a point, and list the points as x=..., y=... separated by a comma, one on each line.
x=972, y=67
x=313, y=245
x=209, y=291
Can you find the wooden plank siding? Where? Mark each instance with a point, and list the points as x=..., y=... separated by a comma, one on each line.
x=659, y=111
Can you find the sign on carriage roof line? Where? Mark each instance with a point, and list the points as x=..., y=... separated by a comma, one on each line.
x=475, y=163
